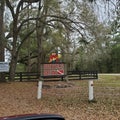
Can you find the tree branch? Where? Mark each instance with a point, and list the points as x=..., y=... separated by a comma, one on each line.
x=18, y=7
x=30, y=1
x=22, y=41
x=10, y=7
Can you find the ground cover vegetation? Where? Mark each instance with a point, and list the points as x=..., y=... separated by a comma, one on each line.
x=69, y=99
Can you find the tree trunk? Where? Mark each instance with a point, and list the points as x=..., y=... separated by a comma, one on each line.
x=14, y=52
x=39, y=33
x=14, y=55
x=39, y=44
x=28, y=42
x=13, y=64
x=2, y=37
x=12, y=68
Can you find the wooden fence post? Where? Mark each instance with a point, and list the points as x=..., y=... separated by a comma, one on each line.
x=20, y=76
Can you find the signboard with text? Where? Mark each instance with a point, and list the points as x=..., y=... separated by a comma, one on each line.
x=53, y=69
x=4, y=66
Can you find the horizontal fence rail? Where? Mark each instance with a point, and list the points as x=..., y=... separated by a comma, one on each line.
x=24, y=76
x=83, y=74
x=72, y=75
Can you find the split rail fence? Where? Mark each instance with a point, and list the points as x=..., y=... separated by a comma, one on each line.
x=72, y=75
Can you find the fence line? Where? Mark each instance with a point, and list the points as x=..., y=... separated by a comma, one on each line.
x=72, y=75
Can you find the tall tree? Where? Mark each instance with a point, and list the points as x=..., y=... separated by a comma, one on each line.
x=43, y=19
x=2, y=37
x=93, y=43
x=16, y=8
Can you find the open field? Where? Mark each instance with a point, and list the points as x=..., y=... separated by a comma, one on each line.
x=68, y=99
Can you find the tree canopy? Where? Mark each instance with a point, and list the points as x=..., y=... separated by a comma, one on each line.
x=35, y=28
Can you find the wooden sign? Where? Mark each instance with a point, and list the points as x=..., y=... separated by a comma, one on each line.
x=53, y=69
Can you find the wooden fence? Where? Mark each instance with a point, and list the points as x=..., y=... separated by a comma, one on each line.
x=72, y=75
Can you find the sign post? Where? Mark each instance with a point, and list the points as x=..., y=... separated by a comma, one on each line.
x=91, y=97
x=4, y=66
x=51, y=70
x=39, y=95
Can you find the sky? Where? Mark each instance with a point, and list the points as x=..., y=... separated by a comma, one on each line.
x=105, y=10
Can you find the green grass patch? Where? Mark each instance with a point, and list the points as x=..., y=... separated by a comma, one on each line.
x=103, y=81
x=108, y=80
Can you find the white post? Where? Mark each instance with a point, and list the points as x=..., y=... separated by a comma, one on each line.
x=91, y=90
x=39, y=94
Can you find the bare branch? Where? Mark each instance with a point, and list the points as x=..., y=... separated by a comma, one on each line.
x=10, y=7
x=30, y=1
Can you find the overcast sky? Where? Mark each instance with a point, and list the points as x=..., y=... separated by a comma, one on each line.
x=105, y=10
